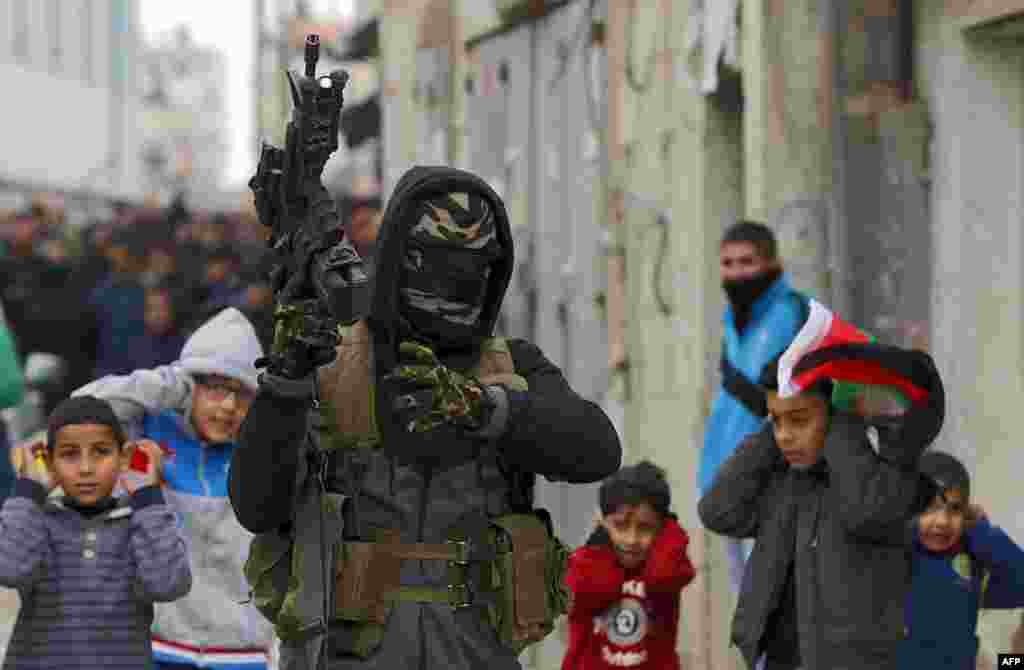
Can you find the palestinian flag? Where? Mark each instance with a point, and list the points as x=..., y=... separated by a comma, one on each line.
x=828, y=347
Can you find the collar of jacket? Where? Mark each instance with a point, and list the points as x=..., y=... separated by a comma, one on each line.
x=97, y=508
x=114, y=507
x=817, y=471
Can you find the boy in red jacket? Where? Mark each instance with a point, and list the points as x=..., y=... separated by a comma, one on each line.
x=626, y=580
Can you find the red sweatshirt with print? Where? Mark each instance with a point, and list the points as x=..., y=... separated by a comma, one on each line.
x=627, y=619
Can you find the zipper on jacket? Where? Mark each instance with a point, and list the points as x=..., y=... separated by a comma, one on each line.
x=201, y=471
x=817, y=519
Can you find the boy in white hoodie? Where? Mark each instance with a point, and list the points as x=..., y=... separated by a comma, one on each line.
x=193, y=409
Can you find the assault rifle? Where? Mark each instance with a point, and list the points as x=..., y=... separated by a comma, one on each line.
x=319, y=283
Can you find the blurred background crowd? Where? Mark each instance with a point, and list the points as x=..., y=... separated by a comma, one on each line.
x=130, y=289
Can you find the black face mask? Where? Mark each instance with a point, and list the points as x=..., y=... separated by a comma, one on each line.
x=460, y=276
x=743, y=293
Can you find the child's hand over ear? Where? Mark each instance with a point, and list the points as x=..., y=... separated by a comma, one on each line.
x=37, y=469
x=975, y=513
x=154, y=464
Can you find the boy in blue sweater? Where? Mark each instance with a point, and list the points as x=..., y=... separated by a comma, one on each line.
x=88, y=566
x=193, y=409
x=961, y=564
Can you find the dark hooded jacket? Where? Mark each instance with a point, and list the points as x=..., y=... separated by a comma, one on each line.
x=839, y=526
x=549, y=430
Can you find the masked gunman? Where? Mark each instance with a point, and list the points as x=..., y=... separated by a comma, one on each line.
x=391, y=488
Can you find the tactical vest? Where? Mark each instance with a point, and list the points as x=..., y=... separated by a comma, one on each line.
x=310, y=576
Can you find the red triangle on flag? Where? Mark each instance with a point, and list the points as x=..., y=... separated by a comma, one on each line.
x=827, y=347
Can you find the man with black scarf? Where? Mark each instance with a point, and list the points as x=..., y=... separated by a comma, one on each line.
x=434, y=429
x=762, y=316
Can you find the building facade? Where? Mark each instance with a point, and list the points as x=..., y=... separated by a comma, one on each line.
x=68, y=68
x=184, y=143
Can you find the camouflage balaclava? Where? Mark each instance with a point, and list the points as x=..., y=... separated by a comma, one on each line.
x=451, y=245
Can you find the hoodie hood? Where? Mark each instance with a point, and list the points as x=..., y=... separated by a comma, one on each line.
x=225, y=345
x=417, y=184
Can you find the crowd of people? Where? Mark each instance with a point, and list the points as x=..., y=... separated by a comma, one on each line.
x=115, y=296
x=190, y=489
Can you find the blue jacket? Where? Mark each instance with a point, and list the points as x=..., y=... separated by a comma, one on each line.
x=947, y=591
x=214, y=626
x=775, y=319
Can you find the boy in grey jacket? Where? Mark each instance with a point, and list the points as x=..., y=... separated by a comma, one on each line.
x=827, y=497
x=88, y=566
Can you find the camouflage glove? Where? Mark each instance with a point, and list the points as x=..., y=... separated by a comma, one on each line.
x=425, y=394
x=302, y=341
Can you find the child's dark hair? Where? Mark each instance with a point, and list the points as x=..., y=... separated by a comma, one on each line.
x=83, y=409
x=769, y=381
x=757, y=234
x=945, y=471
x=644, y=482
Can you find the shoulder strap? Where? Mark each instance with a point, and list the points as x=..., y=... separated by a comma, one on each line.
x=747, y=392
x=307, y=608
x=320, y=462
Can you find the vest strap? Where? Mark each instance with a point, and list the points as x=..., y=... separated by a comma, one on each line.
x=456, y=595
x=453, y=551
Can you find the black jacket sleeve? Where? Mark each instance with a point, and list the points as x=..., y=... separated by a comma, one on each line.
x=552, y=430
x=264, y=465
x=733, y=504
x=875, y=497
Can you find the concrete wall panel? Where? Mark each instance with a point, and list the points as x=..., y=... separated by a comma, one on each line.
x=974, y=88
x=498, y=126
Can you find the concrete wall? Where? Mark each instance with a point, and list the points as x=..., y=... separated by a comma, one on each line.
x=681, y=152
x=974, y=88
x=787, y=124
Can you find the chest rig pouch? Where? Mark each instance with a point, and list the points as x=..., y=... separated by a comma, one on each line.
x=314, y=575
x=511, y=568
